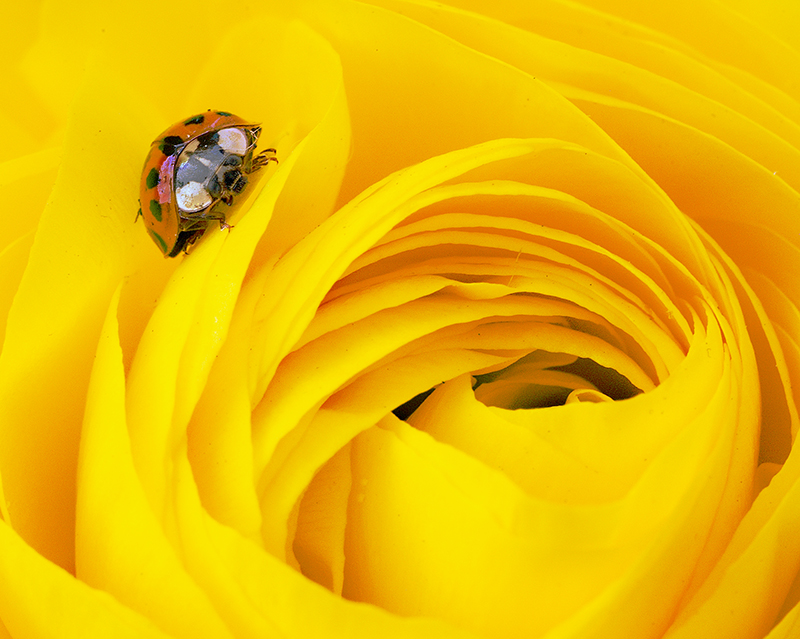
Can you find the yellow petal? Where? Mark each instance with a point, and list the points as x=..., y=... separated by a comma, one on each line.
x=120, y=545
x=73, y=610
x=78, y=257
x=371, y=40
x=788, y=626
x=259, y=595
x=757, y=568
x=418, y=511
x=182, y=338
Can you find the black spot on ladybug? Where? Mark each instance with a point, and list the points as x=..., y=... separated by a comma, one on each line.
x=159, y=240
x=224, y=114
x=155, y=209
x=198, y=119
x=152, y=179
x=169, y=143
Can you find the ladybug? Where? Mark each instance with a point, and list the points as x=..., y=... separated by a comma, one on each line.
x=194, y=174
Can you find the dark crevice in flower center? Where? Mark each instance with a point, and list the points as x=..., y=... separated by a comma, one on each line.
x=537, y=395
x=607, y=380
x=406, y=409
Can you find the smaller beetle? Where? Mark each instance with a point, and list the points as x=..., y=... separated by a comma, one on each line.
x=194, y=174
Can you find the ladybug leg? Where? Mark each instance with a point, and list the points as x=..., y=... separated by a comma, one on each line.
x=212, y=216
x=262, y=159
x=223, y=224
x=186, y=240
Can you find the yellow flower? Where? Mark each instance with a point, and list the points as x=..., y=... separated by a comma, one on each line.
x=506, y=346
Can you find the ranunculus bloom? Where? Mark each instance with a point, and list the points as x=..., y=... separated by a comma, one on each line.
x=506, y=346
